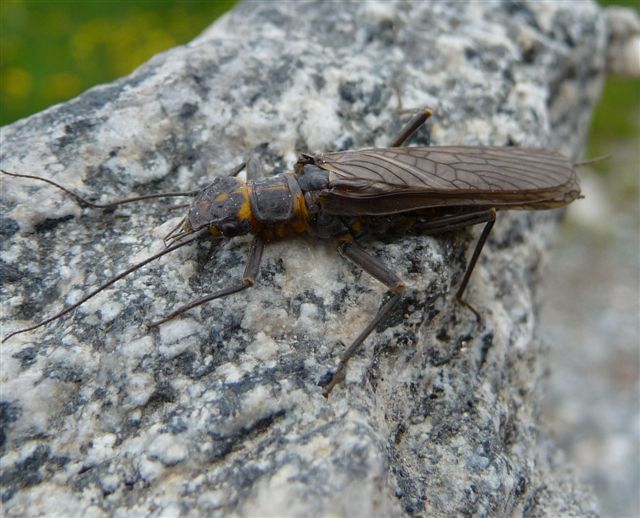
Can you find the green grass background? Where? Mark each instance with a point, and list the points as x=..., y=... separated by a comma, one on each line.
x=51, y=51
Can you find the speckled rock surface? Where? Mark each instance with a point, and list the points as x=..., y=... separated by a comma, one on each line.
x=219, y=412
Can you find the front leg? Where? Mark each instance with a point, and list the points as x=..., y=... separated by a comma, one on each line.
x=248, y=280
x=395, y=285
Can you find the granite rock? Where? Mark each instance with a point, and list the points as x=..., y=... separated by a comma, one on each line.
x=219, y=412
x=623, y=54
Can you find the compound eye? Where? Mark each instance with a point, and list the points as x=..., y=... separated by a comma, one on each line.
x=229, y=229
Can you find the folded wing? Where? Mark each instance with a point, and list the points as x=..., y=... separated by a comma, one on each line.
x=392, y=180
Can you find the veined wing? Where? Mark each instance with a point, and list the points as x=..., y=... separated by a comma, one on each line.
x=391, y=180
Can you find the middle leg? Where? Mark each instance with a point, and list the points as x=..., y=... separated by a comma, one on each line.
x=377, y=269
x=411, y=127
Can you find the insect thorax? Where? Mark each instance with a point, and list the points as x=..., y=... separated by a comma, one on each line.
x=273, y=207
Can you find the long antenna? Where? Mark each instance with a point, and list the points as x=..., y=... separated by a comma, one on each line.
x=104, y=286
x=86, y=203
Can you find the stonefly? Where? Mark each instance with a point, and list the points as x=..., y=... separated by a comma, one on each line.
x=345, y=195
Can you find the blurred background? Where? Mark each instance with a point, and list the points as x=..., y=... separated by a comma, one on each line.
x=590, y=319
x=53, y=51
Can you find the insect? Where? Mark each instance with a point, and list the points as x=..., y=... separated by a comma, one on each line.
x=342, y=196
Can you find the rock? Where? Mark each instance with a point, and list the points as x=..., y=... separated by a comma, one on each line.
x=623, y=55
x=219, y=412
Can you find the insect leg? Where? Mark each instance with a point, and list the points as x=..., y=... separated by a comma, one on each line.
x=83, y=202
x=454, y=221
x=378, y=270
x=411, y=127
x=254, y=168
x=446, y=223
x=237, y=169
x=248, y=280
x=472, y=263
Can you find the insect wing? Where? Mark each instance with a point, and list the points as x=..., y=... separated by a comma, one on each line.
x=393, y=180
